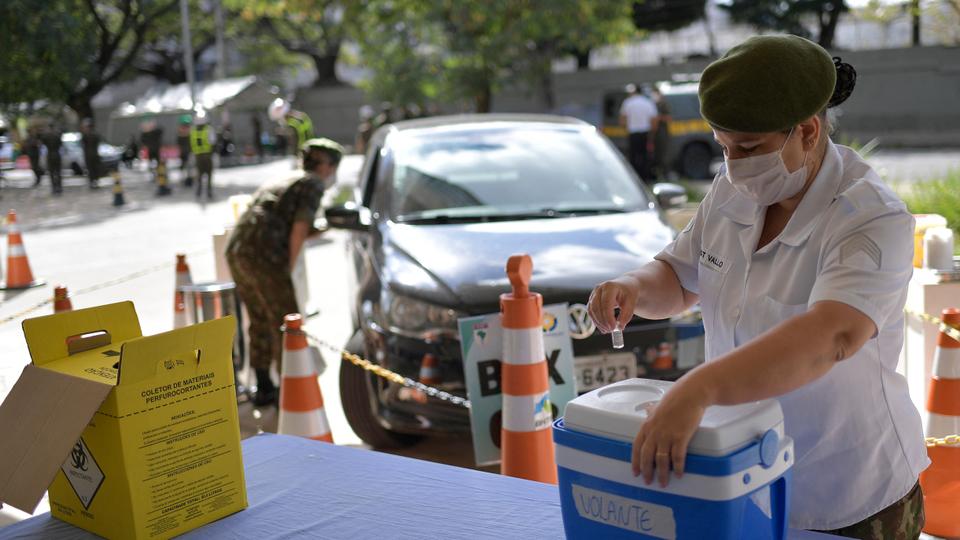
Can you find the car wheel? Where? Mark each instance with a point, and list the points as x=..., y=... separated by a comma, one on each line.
x=695, y=161
x=76, y=168
x=356, y=395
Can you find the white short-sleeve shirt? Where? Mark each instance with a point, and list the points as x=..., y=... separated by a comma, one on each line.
x=639, y=111
x=858, y=437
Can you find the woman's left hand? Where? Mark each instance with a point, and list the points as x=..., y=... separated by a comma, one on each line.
x=665, y=434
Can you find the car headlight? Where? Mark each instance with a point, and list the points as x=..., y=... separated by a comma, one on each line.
x=407, y=314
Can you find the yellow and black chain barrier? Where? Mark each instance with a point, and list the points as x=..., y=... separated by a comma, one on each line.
x=391, y=376
x=944, y=327
x=96, y=287
x=949, y=440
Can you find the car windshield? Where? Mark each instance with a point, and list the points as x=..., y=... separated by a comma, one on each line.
x=508, y=172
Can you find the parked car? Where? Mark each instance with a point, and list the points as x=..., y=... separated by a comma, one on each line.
x=692, y=149
x=72, y=153
x=7, y=154
x=440, y=205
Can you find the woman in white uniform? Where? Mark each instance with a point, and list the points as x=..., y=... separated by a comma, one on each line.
x=799, y=257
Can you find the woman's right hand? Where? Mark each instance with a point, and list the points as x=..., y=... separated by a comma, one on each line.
x=621, y=293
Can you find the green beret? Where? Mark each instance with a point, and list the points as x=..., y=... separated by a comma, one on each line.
x=767, y=83
x=323, y=143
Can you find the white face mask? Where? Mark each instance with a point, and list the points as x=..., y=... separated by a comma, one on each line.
x=765, y=179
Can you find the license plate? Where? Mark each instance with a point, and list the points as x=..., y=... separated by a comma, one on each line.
x=602, y=369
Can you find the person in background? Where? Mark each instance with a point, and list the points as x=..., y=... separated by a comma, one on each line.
x=660, y=127
x=800, y=257
x=385, y=116
x=264, y=248
x=52, y=139
x=151, y=137
x=184, y=146
x=202, y=140
x=90, y=141
x=257, y=137
x=225, y=146
x=636, y=114
x=131, y=151
x=280, y=140
x=364, y=130
x=298, y=122
x=31, y=147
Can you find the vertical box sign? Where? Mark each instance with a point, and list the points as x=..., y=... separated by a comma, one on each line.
x=481, y=344
x=142, y=440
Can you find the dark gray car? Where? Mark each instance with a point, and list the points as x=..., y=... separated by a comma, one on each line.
x=440, y=205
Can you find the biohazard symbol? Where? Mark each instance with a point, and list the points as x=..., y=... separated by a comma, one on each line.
x=78, y=457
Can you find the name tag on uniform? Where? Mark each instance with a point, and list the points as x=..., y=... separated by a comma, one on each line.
x=714, y=262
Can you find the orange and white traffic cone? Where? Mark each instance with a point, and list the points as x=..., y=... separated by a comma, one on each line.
x=301, y=403
x=183, y=271
x=179, y=310
x=526, y=448
x=19, y=275
x=429, y=375
x=61, y=300
x=182, y=277
x=941, y=480
x=664, y=359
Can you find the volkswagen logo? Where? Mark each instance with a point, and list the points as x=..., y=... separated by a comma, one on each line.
x=581, y=325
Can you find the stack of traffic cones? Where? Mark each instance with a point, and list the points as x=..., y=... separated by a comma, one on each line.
x=61, y=300
x=526, y=449
x=117, y=189
x=183, y=278
x=19, y=275
x=429, y=375
x=301, y=403
x=941, y=480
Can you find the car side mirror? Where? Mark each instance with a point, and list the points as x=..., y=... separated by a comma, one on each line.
x=670, y=195
x=348, y=216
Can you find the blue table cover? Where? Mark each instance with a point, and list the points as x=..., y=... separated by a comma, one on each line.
x=299, y=488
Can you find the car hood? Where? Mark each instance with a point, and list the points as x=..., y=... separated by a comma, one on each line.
x=463, y=265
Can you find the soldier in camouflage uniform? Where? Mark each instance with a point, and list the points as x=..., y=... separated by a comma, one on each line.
x=265, y=245
x=902, y=520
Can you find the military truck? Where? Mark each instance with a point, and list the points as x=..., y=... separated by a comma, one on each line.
x=692, y=149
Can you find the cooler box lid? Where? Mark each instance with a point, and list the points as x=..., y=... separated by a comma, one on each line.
x=617, y=411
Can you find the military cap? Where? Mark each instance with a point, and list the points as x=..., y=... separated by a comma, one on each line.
x=767, y=83
x=323, y=143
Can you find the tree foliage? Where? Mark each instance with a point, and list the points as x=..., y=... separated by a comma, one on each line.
x=467, y=49
x=44, y=51
x=789, y=16
x=314, y=28
x=72, y=49
x=667, y=15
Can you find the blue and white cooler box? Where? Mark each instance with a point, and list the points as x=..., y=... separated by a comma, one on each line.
x=736, y=482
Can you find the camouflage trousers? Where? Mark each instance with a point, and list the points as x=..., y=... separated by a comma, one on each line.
x=267, y=291
x=901, y=520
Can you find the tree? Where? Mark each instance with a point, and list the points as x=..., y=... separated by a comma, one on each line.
x=667, y=15
x=788, y=16
x=44, y=50
x=70, y=50
x=314, y=28
x=470, y=48
x=161, y=56
x=403, y=67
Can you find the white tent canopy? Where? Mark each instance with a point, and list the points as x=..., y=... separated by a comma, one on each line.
x=176, y=98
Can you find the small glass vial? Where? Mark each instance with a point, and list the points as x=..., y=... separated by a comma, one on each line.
x=617, y=337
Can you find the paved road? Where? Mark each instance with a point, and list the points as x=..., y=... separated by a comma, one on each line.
x=81, y=240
